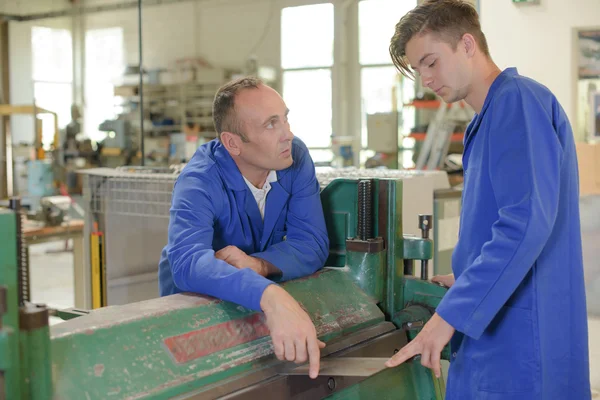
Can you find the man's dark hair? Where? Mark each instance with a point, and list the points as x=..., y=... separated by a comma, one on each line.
x=224, y=116
x=449, y=20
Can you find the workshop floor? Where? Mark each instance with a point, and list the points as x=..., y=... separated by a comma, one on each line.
x=52, y=278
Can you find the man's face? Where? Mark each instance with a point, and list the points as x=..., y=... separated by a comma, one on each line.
x=263, y=118
x=442, y=69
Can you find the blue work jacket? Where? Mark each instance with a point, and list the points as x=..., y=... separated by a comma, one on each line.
x=212, y=207
x=518, y=303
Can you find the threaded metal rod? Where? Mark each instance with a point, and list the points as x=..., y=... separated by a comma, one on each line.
x=365, y=210
x=22, y=256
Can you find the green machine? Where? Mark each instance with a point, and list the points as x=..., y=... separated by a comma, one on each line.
x=365, y=304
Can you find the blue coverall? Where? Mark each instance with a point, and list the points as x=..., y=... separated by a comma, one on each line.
x=212, y=207
x=518, y=303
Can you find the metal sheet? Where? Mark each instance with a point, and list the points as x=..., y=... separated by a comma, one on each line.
x=343, y=366
x=377, y=341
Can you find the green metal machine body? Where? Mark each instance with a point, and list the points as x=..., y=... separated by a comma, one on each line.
x=365, y=303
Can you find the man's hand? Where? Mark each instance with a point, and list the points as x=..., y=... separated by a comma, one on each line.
x=293, y=333
x=446, y=280
x=429, y=343
x=236, y=257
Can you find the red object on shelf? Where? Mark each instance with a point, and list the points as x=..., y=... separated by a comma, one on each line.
x=420, y=136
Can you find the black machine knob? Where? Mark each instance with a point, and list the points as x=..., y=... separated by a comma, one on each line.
x=425, y=224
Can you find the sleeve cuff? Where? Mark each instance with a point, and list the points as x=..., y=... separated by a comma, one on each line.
x=450, y=312
x=255, y=291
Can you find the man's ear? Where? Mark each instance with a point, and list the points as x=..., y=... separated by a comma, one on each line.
x=469, y=44
x=232, y=143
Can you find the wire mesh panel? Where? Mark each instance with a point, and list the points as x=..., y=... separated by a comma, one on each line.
x=130, y=206
x=142, y=192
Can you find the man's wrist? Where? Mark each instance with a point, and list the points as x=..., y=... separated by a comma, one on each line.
x=260, y=266
x=267, y=298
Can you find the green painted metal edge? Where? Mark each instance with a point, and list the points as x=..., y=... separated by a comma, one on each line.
x=9, y=338
x=368, y=272
x=415, y=248
x=395, y=273
x=8, y=266
x=35, y=358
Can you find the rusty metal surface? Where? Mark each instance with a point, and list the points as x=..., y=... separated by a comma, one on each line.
x=32, y=317
x=200, y=343
x=367, y=246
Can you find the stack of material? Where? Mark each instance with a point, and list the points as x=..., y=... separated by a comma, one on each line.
x=588, y=156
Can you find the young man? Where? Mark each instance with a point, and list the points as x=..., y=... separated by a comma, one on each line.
x=247, y=207
x=516, y=312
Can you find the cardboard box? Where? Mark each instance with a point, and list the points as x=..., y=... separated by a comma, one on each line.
x=588, y=157
x=597, y=157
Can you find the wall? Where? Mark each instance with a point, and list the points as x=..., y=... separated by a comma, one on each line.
x=538, y=40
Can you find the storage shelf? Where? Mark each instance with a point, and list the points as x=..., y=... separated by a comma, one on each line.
x=420, y=136
x=431, y=104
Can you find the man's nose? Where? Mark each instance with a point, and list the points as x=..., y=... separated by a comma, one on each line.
x=426, y=80
x=287, y=135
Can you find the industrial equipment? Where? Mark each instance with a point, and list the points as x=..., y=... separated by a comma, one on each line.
x=52, y=212
x=366, y=304
x=6, y=153
x=120, y=135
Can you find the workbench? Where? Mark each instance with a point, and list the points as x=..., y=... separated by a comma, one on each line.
x=73, y=229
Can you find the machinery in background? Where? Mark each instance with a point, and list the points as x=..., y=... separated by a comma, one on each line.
x=120, y=145
x=77, y=152
x=38, y=156
x=366, y=305
x=53, y=210
x=342, y=147
x=174, y=108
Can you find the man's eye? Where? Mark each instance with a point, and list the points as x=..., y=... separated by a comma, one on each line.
x=270, y=125
x=432, y=64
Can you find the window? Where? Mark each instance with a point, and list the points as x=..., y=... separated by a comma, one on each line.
x=104, y=62
x=52, y=59
x=382, y=88
x=306, y=59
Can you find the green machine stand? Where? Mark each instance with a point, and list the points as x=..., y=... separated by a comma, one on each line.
x=364, y=303
x=25, y=371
